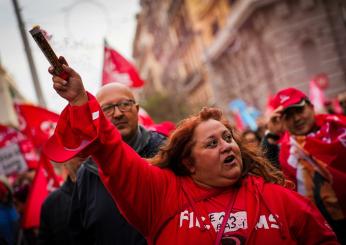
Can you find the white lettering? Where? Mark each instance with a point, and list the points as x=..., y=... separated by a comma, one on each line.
x=274, y=221
x=262, y=223
x=183, y=216
x=191, y=220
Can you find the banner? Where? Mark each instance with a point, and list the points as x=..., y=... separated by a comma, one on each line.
x=11, y=160
x=117, y=69
x=10, y=136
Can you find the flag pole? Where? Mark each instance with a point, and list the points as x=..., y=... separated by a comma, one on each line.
x=29, y=56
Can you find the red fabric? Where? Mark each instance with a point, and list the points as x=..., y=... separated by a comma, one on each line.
x=239, y=124
x=53, y=148
x=10, y=135
x=36, y=123
x=163, y=207
x=3, y=192
x=327, y=145
x=144, y=119
x=164, y=128
x=287, y=97
x=45, y=182
x=117, y=69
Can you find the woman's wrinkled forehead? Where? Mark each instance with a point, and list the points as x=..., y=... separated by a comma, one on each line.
x=208, y=128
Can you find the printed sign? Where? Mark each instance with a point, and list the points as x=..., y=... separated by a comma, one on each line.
x=11, y=160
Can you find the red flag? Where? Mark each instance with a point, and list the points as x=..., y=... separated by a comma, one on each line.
x=36, y=123
x=164, y=128
x=45, y=181
x=144, y=119
x=117, y=69
x=316, y=95
x=10, y=137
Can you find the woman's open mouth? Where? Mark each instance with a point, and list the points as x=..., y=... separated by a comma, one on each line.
x=230, y=160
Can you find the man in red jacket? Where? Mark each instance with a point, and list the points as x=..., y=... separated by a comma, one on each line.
x=312, y=153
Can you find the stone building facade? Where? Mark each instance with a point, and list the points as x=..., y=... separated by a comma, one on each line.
x=170, y=43
x=8, y=95
x=276, y=44
x=255, y=48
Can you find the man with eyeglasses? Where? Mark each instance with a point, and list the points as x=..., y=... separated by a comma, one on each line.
x=311, y=151
x=94, y=217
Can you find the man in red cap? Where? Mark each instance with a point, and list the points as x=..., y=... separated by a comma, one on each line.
x=312, y=153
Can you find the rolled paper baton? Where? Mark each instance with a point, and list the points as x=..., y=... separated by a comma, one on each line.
x=47, y=50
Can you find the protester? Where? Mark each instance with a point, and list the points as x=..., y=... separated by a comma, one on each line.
x=250, y=137
x=21, y=189
x=312, y=153
x=206, y=174
x=9, y=218
x=95, y=219
x=55, y=210
x=342, y=101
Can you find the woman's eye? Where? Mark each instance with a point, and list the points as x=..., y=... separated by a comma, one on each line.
x=228, y=138
x=212, y=144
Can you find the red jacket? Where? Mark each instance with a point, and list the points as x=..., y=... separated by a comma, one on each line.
x=168, y=209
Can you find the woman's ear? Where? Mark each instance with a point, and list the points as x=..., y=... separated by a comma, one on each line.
x=188, y=163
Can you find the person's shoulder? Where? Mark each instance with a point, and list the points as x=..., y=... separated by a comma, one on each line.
x=285, y=195
x=52, y=198
x=337, y=119
x=156, y=139
x=156, y=136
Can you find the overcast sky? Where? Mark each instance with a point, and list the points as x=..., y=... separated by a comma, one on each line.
x=78, y=29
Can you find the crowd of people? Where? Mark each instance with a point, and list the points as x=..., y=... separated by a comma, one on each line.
x=205, y=183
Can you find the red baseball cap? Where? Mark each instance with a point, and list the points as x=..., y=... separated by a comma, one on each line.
x=288, y=98
x=62, y=146
x=56, y=152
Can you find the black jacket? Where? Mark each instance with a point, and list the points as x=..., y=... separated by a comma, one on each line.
x=95, y=219
x=54, y=216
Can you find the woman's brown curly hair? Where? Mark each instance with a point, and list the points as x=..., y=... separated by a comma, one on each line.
x=180, y=143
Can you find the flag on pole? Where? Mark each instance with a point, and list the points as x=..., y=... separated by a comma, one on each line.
x=317, y=97
x=37, y=123
x=117, y=69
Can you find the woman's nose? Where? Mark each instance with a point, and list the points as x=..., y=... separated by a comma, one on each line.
x=226, y=146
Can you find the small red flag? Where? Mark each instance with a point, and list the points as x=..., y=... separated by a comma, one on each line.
x=37, y=123
x=117, y=69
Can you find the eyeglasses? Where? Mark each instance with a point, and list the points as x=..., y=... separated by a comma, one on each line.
x=123, y=106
